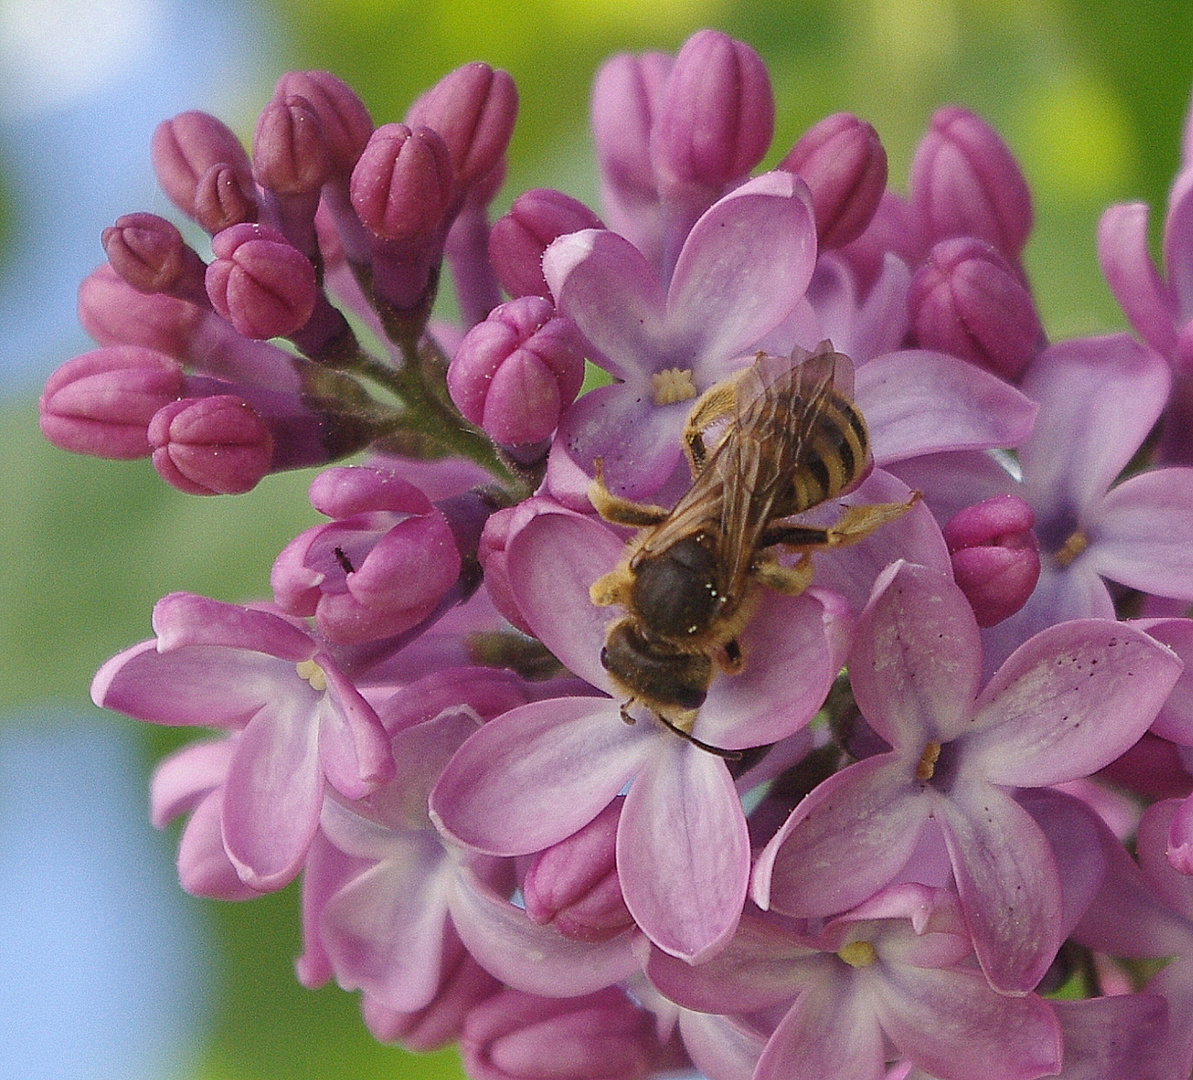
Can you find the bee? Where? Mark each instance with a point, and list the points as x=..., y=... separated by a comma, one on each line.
x=779, y=438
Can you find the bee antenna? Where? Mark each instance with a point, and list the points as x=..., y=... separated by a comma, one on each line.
x=728, y=755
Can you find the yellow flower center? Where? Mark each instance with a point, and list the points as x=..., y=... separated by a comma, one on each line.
x=1072, y=547
x=858, y=954
x=928, y=759
x=674, y=384
x=313, y=673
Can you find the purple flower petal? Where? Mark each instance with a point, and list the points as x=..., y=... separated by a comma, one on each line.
x=552, y=561
x=1126, y=260
x=534, y=959
x=830, y=1033
x=533, y=776
x=1068, y=702
x=744, y=265
x=607, y=288
x=1143, y=536
x=909, y=684
x=185, y=619
x=926, y=1011
x=384, y=930
x=921, y=402
x=683, y=853
x=272, y=797
x=850, y=836
x=1178, y=242
x=1099, y=398
x=354, y=749
x=764, y=703
x=1008, y=882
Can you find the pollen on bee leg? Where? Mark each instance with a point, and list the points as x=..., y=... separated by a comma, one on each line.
x=312, y=673
x=672, y=385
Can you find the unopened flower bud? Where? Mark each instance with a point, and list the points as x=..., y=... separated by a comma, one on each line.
x=574, y=883
x=491, y=553
x=343, y=117
x=967, y=300
x=402, y=184
x=517, y=240
x=717, y=114
x=210, y=446
x=626, y=97
x=965, y=182
x=114, y=313
x=101, y=403
x=220, y=201
x=187, y=146
x=843, y=162
x=604, y=1034
x=516, y=372
x=379, y=567
x=260, y=282
x=473, y=109
x=290, y=154
x=149, y=253
x=996, y=556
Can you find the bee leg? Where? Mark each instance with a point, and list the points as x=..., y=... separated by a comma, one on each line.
x=618, y=510
x=788, y=580
x=716, y=403
x=626, y=718
x=611, y=588
x=854, y=525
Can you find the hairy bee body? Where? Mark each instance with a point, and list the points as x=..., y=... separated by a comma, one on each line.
x=785, y=437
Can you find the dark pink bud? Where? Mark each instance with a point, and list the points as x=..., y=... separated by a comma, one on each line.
x=343, y=117
x=185, y=147
x=149, y=253
x=842, y=161
x=717, y=115
x=221, y=202
x=967, y=300
x=517, y=240
x=965, y=182
x=210, y=446
x=260, y=282
x=101, y=403
x=516, y=372
x=996, y=556
x=574, y=884
x=114, y=313
x=512, y=1034
x=290, y=154
x=491, y=553
x=378, y=568
x=473, y=109
x=402, y=185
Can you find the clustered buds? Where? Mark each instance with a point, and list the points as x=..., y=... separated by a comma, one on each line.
x=777, y=706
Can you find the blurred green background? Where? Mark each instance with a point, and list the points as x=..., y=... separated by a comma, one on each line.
x=1090, y=94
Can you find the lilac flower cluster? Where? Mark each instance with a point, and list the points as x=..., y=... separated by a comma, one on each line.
x=950, y=819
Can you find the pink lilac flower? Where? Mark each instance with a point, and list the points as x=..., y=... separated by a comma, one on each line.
x=1069, y=701
x=1098, y=398
x=301, y=724
x=896, y=970
x=534, y=776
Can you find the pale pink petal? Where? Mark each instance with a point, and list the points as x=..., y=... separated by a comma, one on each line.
x=533, y=776
x=272, y=798
x=683, y=853
x=850, y=836
x=1068, y=702
x=1126, y=260
x=1008, y=882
